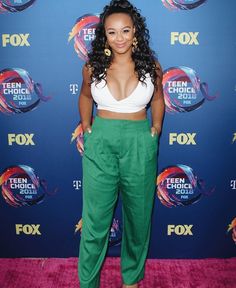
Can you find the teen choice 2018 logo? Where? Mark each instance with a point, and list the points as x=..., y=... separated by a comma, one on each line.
x=183, y=91
x=18, y=92
x=21, y=186
x=115, y=233
x=182, y=4
x=179, y=186
x=83, y=33
x=232, y=227
x=14, y=6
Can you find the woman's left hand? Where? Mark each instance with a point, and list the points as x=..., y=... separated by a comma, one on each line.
x=154, y=131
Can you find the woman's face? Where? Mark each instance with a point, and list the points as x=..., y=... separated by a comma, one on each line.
x=119, y=30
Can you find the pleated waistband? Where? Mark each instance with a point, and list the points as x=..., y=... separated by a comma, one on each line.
x=111, y=123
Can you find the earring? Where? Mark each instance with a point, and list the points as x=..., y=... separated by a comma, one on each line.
x=134, y=44
x=107, y=51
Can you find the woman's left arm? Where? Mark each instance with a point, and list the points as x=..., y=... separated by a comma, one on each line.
x=157, y=103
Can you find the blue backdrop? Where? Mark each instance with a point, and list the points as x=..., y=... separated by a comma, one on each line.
x=41, y=176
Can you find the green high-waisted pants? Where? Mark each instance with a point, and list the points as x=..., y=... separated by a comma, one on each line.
x=119, y=155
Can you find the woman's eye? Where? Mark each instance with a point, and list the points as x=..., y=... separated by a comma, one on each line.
x=111, y=33
x=126, y=31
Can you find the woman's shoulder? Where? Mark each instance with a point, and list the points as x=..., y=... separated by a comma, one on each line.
x=87, y=70
x=158, y=66
x=159, y=71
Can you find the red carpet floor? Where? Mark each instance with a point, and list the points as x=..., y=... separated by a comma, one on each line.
x=62, y=273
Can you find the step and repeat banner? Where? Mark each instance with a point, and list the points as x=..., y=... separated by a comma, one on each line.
x=44, y=45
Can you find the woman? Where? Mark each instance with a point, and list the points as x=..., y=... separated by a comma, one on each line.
x=120, y=149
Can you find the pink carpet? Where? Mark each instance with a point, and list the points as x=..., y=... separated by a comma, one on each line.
x=58, y=273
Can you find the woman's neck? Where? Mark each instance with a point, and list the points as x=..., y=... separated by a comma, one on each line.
x=122, y=59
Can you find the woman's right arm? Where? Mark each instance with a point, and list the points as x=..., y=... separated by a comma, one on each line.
x=85, y=100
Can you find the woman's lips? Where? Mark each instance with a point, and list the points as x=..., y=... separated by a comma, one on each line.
x=120, y=45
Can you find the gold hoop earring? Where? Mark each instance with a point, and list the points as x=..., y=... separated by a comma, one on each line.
x=134, y=44
x=107, y=51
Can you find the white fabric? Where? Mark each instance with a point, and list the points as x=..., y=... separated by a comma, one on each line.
x=135, y=102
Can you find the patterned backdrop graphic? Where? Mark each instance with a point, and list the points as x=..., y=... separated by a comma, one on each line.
x=44, y=45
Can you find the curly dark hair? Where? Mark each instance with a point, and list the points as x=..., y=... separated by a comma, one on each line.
x=143, y=57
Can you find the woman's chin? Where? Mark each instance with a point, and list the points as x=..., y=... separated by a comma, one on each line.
x=122, y=50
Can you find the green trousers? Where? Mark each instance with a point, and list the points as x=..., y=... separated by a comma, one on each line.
x=119, y=156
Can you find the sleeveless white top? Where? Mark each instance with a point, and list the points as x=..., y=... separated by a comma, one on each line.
x=135, y=102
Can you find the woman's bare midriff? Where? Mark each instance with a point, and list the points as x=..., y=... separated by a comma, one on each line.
x=140, y=115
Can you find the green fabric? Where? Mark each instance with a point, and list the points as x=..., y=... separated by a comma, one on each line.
x=119, y=156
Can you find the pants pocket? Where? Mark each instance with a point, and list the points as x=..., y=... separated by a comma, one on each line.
x=87, y=137
x=151, y=145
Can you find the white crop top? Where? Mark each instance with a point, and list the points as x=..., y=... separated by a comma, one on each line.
x=135, y=102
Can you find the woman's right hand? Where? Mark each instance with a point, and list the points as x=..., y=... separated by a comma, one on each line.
x=87, y=129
